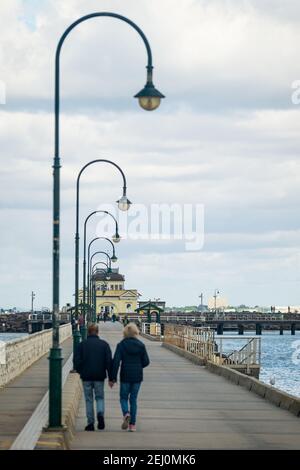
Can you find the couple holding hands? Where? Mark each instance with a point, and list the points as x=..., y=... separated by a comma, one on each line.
x=93, y=361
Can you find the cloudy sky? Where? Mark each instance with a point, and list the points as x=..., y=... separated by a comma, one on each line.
x=227, y=137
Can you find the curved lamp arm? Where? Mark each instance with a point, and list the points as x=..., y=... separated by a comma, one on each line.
x=116, y=239
x=57, y=60
x=89, y=251
x=100, y=160
x=101, y=269
x=122, y=200
x=85, y=225
x=93, y=285
x=90, y=266
x=103, y=253
x=107, y=239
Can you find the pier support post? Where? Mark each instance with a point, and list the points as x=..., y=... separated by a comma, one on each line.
x=220, y=328
x=281, y=330
x=293, y=329
x=258, y=329
x=241, y=329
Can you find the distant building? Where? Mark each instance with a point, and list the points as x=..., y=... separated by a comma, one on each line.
x=220, y=303
x=115, y=299
x=286, y=309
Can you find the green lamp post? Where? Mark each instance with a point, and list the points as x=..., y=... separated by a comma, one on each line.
x=116, y=239
x=124, y=205
x=113, y=258
x=149, y=98
x=90, y=282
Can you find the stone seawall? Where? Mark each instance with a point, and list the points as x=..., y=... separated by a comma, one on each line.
x=22, y=353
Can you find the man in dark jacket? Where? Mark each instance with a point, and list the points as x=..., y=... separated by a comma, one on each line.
x=93, y=361
x=132, y=355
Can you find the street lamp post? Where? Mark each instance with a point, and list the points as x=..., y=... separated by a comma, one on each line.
x=32, y=300
x=94, y=302
x=113, y=258
x=217, y=292
x=123, y=204
x=116, y=238
x=93, y=289
x=149, y=98
x=90, y=270
x=106, y=274
x=107, y=277
x=201, y=297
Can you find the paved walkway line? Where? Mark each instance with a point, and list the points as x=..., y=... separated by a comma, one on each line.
x=30, y=434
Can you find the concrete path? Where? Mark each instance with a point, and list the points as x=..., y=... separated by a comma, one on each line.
x=183, y=406
x=21, y=396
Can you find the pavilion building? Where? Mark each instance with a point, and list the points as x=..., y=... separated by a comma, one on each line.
x=115, y=299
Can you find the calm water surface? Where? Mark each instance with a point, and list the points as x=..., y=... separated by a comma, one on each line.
x=11, y=336
x=280, y=358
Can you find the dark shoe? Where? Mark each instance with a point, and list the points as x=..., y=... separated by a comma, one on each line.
x=90, y=427
x=101, y=423
x=126, y=420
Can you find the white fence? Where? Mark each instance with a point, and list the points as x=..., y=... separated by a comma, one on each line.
x=249, y=355
x=153, y=329
x=199, y=341
x=47, y=317
x=22, y=353
x=204, y=343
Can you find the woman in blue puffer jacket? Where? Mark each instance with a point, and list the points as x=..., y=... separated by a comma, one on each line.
x=131, y=353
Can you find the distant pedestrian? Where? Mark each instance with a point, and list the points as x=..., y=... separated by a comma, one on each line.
x=73, y=321
x=131, y=353
x=81, y=321
x=93, y=361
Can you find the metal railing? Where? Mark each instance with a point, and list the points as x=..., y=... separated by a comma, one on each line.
x=153, y=329
x=203, y=343
x=199, y=341
x=249, y=355
x=181, y=318
x=221, y=317
x=47, y=317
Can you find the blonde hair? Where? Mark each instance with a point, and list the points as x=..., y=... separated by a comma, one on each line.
x=130, y=330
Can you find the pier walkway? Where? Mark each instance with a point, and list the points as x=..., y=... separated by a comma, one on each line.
x=20, y=397
x=184, y=406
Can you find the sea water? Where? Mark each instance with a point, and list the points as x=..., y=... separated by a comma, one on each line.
x=280, y=358
x=11, y=336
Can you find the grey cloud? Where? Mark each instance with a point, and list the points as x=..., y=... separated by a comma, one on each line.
x=227, y=136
